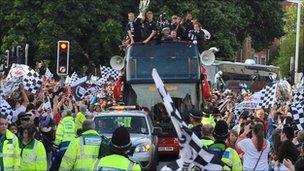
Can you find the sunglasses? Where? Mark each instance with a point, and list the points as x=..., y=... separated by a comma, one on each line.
x=25, y=119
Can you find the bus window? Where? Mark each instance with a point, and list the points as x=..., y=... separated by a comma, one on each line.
x=173, y=61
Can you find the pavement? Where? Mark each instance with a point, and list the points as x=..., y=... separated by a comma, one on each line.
x=164, y=160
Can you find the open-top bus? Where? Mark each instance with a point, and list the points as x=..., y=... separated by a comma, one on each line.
x=255, y=76
x=178, y=64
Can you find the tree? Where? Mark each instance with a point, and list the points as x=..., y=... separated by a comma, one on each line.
x=229, y=22
x=287, y=48
x=96, y=28
x=264, y=21
x=93, y=35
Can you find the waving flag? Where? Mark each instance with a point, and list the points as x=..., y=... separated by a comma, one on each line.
x=107, y=72
x=268, y=96
x=6, y=109
x=48, y=74
x=32, y=81
x=30, y=78
x=192, y=153
x=297, y=107
x=71, y=80
x=78, y=88
x=262, y=99
x=9, y=86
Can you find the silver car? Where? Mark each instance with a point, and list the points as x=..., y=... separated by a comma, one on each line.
x=142, y=133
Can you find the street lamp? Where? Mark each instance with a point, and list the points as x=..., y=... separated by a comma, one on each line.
x=297, y=39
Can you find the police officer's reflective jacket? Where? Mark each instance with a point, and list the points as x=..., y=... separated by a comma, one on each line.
x=82, y=152
x=66, y=130
x=228, y=155
x=9, y=152
x=115, y=162
x=33, y=156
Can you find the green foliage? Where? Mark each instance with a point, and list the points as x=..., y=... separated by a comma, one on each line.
x=264, y=21
x=96, y=28
x=288, y=45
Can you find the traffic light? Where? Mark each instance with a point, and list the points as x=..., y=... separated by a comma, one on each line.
x=12, y=56
x=20, y=55
x=63, y=57
x=7, y=58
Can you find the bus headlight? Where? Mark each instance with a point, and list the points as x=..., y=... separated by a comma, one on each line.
x=143, y=148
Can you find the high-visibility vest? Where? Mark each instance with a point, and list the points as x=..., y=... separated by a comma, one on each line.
x=79, y=119
x=229, y=156
x=33, y=156
x=115, y=162
x=207, y=142
x=66, y=130
x=82, y=152
x=9, y=152
x=208, y=120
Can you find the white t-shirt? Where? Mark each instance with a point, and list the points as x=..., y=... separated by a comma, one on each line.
x=251, y=155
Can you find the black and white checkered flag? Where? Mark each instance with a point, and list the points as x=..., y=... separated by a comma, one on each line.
x=6, y=109
x=48, y=74
x=93, y=90
x=192, y=153
x=72, y=79
x=297, y=107
x=32, y=81
x=9, y=86
x=107, y=72
x=267, y=96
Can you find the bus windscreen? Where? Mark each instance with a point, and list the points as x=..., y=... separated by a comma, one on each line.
x=173, y=61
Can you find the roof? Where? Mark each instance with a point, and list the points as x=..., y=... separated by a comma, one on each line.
x=240, y=63
x=122, y=113
x=154, y=42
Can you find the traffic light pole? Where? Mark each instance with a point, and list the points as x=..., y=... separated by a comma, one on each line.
x=26, y=54
x=62, y=78
x=18, y=56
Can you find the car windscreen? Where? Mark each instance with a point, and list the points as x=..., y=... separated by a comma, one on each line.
x=173, y=61
x=134, y=124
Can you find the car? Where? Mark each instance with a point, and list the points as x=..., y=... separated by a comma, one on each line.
x=168, y=143
x=142, y=133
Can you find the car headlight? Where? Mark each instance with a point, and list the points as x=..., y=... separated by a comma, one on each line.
x=143, y=148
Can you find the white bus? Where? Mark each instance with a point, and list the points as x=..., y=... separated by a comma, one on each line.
x=255, y=76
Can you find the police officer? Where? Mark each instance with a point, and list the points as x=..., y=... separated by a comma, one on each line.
x=9, y=147
x=81, y=116
x=82, y=151
x=207, y=138
x=33, y=155
x=228, y=155
x=196, y=119
x=120, y=144
x=65, y=133
x=208, y=117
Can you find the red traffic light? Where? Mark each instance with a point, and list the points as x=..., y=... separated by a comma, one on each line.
x=63, y=57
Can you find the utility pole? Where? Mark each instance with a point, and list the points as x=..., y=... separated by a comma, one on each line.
x=26, y=54
x=296, y=60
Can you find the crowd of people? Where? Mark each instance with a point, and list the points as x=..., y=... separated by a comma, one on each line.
x=145, y=28
x=43, y=128
x=50, y=130
x=259, y=139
